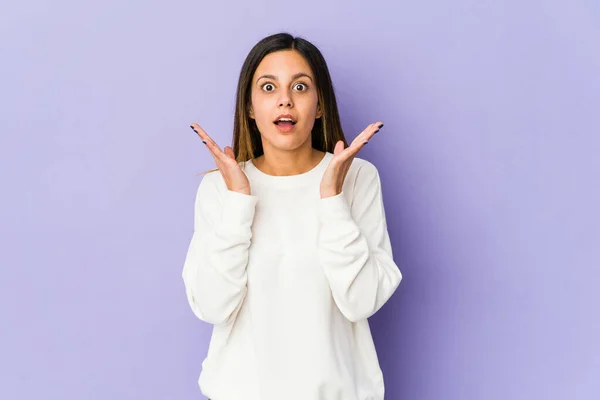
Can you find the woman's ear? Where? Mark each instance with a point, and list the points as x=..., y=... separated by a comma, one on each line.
x=250, y=111
x=319, y=112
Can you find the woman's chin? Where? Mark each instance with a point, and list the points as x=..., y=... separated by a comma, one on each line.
x=286, y=141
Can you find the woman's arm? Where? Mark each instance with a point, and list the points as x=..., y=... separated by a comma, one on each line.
x=355, y=250
x=214, y=271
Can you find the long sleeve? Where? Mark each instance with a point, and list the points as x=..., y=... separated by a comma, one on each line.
x=214, y=271
x=354, y=248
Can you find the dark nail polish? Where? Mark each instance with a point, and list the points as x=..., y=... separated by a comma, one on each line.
x=380, y=126
x=376, y=131
x=365, y=142
x=203, y=142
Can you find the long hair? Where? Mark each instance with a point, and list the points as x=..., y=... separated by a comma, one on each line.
x=327, y=130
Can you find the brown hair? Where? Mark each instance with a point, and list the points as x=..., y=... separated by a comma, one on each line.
x=327, y=130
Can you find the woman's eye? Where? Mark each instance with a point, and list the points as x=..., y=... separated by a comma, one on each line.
x=302, y=87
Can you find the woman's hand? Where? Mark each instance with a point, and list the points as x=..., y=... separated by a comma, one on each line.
x=333, y=178
x=235, y=179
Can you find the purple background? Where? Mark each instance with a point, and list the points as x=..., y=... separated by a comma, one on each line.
x=490, y=161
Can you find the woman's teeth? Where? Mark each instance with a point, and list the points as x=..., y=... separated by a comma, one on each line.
x=285, y=120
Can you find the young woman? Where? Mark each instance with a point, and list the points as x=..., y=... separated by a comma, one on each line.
x=290, y=253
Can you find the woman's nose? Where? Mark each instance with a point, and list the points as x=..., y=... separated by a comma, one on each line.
x=285, y=99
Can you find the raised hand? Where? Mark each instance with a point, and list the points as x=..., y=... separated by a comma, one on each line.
x=334, y=175
x=235, y=179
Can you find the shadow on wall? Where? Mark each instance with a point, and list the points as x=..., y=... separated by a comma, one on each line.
x=400, y=328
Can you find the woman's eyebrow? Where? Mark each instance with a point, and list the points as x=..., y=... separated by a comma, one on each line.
x=298, y=75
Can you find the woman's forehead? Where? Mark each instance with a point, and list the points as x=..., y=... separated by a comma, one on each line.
x=283, y=64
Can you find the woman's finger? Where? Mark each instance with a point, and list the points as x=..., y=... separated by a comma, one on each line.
x=212, y=146
x=229, y=152
x=363, y=138
x=213, y=150
x=203, y=135
x=366, y=134
x=360, y=138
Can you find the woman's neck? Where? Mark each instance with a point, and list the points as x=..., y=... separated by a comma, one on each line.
x=286, y=166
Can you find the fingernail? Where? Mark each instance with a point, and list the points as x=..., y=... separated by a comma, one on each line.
x=203, y=142
x=380, y=126
x=376, y=131
x=194, y=129
x=365, y=142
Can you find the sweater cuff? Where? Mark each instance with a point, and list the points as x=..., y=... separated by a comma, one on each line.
x=334, y=207
x=238, y=210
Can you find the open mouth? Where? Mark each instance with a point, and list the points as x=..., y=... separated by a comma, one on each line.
x=285, y=121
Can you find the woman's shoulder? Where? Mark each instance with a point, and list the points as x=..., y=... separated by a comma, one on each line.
x=362, y=168
x=212, y=182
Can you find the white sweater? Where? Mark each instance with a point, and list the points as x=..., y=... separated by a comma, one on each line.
x=288, y=280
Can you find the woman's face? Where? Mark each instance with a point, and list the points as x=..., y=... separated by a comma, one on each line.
x=284, y=84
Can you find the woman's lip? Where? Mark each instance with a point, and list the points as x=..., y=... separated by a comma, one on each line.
x=285, y=128
x=289, y=116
